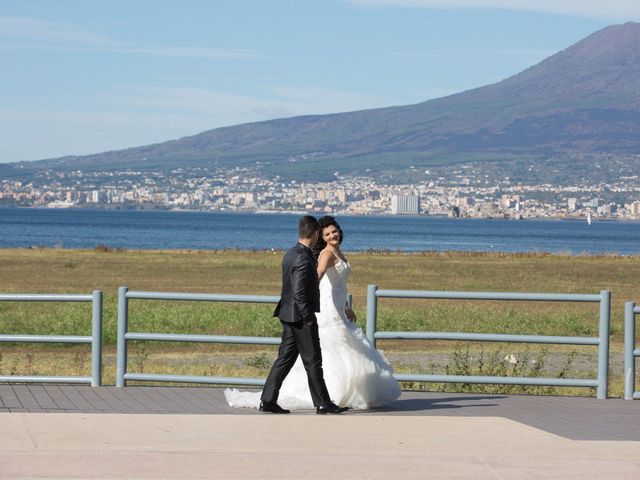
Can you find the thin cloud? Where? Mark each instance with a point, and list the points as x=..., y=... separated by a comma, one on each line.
x=62, y=133
x=195, y=52
x=611, y=9
x=34, y=34
x=529, y=53
x=39, y=31
x=347, y=100
x=133, y=116
x=226, y=108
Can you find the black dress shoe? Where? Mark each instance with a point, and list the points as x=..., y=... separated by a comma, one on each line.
x=330, y=408
x=272, y=407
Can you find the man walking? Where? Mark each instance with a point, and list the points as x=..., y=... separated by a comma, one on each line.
x=299, y=300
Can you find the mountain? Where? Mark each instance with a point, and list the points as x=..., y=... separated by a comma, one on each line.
x=583, y=100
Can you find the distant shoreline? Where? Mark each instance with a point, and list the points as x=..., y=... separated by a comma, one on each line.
x=98, y=249
x=316, y=214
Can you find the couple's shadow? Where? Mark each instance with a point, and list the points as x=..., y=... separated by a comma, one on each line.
x=424, y=404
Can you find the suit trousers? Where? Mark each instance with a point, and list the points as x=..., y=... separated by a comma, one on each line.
x=303, y=339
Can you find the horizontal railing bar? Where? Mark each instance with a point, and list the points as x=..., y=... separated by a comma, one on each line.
x=45, y=338
x=152, y=377
x=636, y=310
x=487, y=337
x=532, y=297
x=43, y=379
x=557, y=382
x=28, y=297
x=203, y=297
x=178, y=337
x=636, y=395
x=636, y=353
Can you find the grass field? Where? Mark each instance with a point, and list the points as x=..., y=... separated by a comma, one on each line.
x=74, y=271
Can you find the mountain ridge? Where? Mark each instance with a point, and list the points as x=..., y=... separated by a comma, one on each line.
x=582, y=100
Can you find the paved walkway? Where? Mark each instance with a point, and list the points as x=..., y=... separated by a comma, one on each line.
x=189, y=432
x=578, y=418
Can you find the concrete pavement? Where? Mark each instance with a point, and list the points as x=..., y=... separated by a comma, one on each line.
x=300, y=446
x=423, y=435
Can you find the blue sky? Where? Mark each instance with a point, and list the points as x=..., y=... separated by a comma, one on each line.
x=86, y=76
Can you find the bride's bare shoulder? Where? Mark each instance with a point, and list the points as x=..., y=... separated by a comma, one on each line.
x=327, y=255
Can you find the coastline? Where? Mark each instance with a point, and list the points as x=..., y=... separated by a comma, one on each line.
x=355, y=253
x=577, y=218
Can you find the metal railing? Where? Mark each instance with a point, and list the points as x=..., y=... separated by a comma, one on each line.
x=95, y=339
x=124, y=295
x=602, y=341
x=630, y=351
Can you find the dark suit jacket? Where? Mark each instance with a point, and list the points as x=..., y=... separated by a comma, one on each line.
x=300, y=297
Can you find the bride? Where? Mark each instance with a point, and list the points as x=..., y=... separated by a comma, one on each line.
x=357, y=375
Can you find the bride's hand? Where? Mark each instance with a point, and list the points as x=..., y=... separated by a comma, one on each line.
x=350, y=315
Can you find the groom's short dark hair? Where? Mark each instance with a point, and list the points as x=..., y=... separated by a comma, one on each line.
x=307, y=226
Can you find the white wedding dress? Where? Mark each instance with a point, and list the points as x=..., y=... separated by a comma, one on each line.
x=357, y=375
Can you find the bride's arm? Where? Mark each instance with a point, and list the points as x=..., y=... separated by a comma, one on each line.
x=349, y=313
x=325, y=260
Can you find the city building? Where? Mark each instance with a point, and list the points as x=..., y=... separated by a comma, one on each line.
x=405, y=204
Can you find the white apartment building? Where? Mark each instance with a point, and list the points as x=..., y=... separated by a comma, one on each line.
x=405, y=204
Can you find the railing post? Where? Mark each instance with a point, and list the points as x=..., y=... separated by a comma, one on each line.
x=96, y=339
x=121, y=348
x=603, y=348
x=629, y=347
x=372, y=313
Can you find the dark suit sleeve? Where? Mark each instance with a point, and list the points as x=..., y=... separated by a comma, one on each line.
x=303, y=269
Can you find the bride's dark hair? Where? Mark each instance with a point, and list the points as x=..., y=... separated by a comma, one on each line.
x=323, y=223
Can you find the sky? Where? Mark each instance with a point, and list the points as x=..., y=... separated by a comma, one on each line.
x=88, y=76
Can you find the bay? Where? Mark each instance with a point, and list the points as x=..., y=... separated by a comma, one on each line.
x=160, y=230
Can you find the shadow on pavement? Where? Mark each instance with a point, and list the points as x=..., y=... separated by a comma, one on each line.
x=420, y=404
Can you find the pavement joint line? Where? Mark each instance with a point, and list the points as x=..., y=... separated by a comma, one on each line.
x=498, y=476
x=29, y=432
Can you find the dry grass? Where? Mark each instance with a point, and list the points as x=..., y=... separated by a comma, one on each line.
x=58, y=270
x=80, y=271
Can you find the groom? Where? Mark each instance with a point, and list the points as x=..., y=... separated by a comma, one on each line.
x=299, y=300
